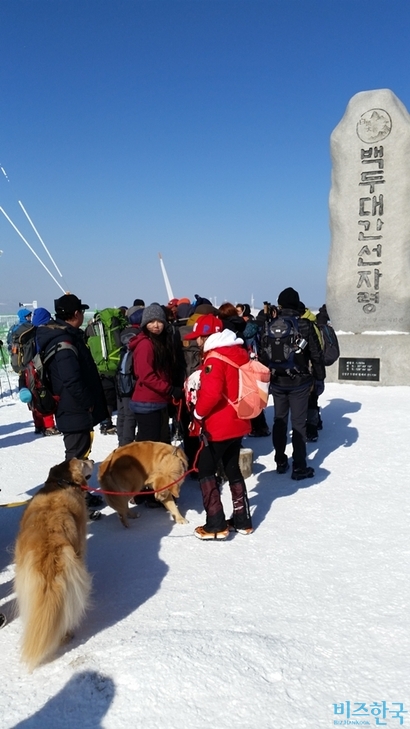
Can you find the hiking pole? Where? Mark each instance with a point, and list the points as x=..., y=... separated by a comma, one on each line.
x=3, y=359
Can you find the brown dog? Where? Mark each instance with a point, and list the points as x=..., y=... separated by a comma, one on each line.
x=52, y=583
x=132, y=467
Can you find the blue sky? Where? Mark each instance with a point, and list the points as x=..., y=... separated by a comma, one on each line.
x=195, y=128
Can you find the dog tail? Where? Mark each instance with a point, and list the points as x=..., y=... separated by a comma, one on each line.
x=52, y=600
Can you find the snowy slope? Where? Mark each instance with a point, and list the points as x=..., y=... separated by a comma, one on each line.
x=264, y=631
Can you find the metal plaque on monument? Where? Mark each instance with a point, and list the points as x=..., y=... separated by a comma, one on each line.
x=368, y=282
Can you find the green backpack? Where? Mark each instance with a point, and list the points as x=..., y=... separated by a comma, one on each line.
x=103, y=339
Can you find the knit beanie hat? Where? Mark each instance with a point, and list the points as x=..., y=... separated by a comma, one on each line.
x=153, y=312
x=40, y=316
x=289, y=299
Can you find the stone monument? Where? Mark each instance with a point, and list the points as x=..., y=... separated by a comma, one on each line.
x=368, y=283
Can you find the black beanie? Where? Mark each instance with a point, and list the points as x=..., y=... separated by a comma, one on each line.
x=289, y=299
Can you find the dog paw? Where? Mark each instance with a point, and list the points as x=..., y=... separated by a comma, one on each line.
x=181, y=520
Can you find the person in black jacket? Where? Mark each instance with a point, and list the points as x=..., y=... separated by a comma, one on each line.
x=74, y=376
x=291, y=389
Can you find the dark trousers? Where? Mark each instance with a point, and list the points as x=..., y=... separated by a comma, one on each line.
x=126, y=422
x=153, y=426
x=77, y=445
x=110, y=394
x=191, y=443
x=296, y=401
x=228, y=452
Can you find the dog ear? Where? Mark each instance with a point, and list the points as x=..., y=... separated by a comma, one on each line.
x=58, y=471
x=76, y=468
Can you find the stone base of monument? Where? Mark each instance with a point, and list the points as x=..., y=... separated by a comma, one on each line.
x=372, y=359
x=245, y=464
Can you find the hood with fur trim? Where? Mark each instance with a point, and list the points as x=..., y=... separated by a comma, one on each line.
x=226, y=338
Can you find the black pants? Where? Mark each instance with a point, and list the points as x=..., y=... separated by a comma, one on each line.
x=228, y=452
x=126, y=422
x=110, y=394
x=153, y=426
x=296, y=401
x=77, y=445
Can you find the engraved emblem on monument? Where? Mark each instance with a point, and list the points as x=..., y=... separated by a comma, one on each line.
x=374, y=125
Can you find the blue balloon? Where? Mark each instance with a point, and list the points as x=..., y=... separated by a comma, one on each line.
x=25, y=395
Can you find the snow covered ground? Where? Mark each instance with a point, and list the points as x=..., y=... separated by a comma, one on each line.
x=303, y=624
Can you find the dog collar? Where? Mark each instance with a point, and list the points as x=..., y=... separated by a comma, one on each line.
x=62, y=481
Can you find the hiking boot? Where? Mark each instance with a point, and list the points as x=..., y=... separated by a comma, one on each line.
x=201, y=533
x=282, y=467
x=51, y=431
x=239, y=530
x=261, y=433
x=93, y=501
x=311, y=433
x=108, y=429
x=298, y=474
x=94, y=515
x=3, y=620
x=39, y=431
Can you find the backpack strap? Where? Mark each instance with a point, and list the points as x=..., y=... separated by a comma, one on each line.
x=222, y=357
x=56, y=348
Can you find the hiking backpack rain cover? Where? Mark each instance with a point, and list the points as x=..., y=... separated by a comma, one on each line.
x=104, y=341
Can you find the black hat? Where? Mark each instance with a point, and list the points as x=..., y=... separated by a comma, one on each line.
x=69, y=304
x=289, y=299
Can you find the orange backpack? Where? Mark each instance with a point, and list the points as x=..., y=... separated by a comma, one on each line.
x=253, y=391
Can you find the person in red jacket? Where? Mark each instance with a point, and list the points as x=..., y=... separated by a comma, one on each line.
x=155, y=366
x=223, y=430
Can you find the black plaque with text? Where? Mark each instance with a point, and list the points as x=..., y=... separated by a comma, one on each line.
x=359, y=368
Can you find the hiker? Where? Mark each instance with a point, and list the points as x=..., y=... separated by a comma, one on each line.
x=221, y=426
x=13, y=335
x=192, y=360
x=102, y=336
x=43, y=424
x=292, y=380
x=74, y=377
x=157, y=377
x=313, y=416
x=126, y=418
x=238, y=323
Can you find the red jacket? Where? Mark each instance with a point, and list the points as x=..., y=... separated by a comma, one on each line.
x=220, y=379
x=151, y=386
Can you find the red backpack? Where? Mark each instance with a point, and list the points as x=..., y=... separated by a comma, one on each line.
x=253, y=390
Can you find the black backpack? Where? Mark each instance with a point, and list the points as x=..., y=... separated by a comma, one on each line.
x=22, y=347
x=36, y=379
x=281, y=341
x=331, y=351
x=125, y=378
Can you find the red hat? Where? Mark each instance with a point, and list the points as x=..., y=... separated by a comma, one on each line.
x=173, y=302
x=204, y=326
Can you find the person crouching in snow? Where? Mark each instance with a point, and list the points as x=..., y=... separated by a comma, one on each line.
x=219, y=383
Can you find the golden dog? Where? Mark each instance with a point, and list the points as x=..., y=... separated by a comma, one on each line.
x=132, y=467
x=52, y=583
